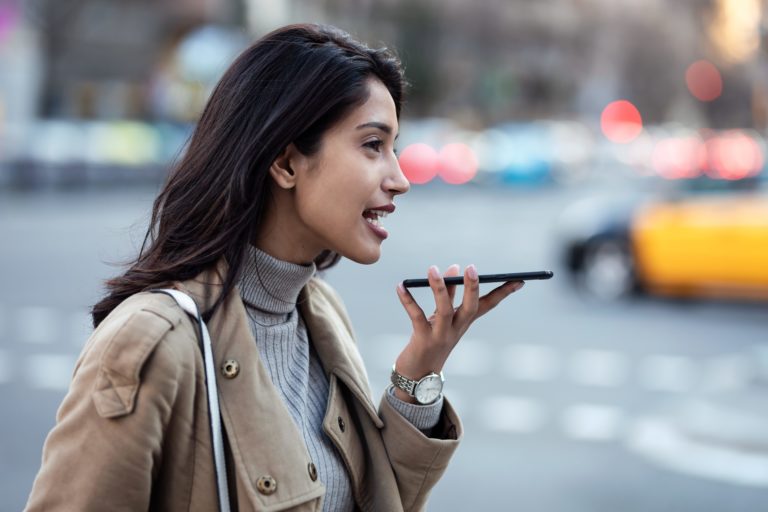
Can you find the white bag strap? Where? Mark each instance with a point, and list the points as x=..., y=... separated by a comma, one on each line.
x=187, y=304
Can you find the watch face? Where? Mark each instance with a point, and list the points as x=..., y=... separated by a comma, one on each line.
x=428, y=389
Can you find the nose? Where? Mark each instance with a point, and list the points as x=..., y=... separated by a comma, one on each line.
x=396, y=182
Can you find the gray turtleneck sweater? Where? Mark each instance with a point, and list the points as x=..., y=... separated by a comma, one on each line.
x=270, y=288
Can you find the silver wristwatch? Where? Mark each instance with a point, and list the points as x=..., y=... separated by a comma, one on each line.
x=425, y=390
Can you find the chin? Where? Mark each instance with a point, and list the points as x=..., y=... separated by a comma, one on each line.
x=364, y=257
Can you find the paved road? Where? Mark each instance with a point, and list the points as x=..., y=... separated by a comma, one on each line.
x=569, y=405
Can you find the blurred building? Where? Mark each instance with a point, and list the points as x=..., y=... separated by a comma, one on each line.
x=101, y=58
x=480, y=62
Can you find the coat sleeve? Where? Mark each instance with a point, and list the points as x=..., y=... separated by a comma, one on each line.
x=105, y=448
x=418, y=461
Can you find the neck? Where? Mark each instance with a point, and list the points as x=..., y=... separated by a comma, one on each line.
x=283, y=235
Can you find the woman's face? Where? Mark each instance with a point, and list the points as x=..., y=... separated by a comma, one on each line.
x=343, y=191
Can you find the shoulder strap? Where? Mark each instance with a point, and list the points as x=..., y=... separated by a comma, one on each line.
x=214, y=414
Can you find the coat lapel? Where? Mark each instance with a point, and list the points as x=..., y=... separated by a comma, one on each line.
x=263, y=437
x=335, y=344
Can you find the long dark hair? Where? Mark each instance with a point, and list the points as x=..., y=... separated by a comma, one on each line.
x=290, y=86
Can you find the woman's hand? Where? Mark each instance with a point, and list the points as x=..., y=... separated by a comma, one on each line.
x=434, y=338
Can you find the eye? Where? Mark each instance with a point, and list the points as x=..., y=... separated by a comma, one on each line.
x=374, y=145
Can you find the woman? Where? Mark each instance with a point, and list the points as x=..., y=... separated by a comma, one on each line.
x=291, y=167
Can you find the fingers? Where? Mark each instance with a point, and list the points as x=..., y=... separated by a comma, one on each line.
x=452, y=271
x=414, y=311
x=469, y=304
x=491, y=300
x=443, y=304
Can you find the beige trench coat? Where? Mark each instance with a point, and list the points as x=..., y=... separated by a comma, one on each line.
x=133, y=434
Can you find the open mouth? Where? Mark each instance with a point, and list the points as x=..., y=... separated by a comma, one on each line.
x=374, y=217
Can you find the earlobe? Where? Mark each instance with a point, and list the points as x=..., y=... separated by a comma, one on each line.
x=281, y=170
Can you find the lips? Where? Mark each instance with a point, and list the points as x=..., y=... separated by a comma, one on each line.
x=373, y=218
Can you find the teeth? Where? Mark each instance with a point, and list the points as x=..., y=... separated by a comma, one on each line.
x=380, y=214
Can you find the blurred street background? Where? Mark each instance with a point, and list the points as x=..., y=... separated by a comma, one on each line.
x=619, y=143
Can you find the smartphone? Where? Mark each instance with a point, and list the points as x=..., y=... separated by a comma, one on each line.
x=485, y=278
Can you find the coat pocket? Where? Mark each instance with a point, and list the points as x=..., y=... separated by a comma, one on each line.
x=119, y=376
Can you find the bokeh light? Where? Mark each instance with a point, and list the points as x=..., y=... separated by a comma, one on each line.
x=734, y=155
x=704, y=80
x=420, y=163
x=679, y=157
x=458, y=163
x=621, y=121
x=734, y=28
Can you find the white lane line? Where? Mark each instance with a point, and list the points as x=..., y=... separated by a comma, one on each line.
x=512, y=414
x=590, y=422
x=470, y=358
x=5, y=367
x=49, y=371
x=80, y=328
x=727, y=372
x=662, y=443
x=530, y=362
x=38, y=325
x=599, y=368
x=667, y=373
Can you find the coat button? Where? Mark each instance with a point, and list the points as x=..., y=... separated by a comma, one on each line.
x=266, y=485
x=342, y=425
x=312, y=471
x=230, y=368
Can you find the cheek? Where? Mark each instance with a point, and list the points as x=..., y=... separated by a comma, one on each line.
x=327, y=208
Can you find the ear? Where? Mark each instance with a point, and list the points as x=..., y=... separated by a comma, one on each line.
x=281, y=170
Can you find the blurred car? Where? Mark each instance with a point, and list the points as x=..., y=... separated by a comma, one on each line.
x=694, y=245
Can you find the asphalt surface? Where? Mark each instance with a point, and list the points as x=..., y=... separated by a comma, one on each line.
x=569, y=404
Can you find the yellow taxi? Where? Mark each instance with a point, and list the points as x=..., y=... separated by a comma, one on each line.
x=696, y=245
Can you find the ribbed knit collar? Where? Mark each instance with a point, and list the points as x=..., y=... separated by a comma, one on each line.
x=270, y=284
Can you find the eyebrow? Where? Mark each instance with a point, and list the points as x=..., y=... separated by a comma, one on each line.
x=381, y=126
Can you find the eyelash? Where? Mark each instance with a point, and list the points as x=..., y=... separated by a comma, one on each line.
x=376, y=145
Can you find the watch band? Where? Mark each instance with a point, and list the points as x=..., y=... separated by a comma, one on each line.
x=409, y=385
x=402, y=382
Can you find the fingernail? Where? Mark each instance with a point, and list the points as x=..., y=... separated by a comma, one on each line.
x=400, y=288
x=434, y=271
x=472, y=271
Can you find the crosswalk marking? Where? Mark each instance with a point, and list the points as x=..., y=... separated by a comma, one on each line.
x=530, y=362
x=728, y=372
x=49, y=371
x=599, y=368
x=38, y=325
x=592, y=422
x=667, y=373
x=512, y=414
